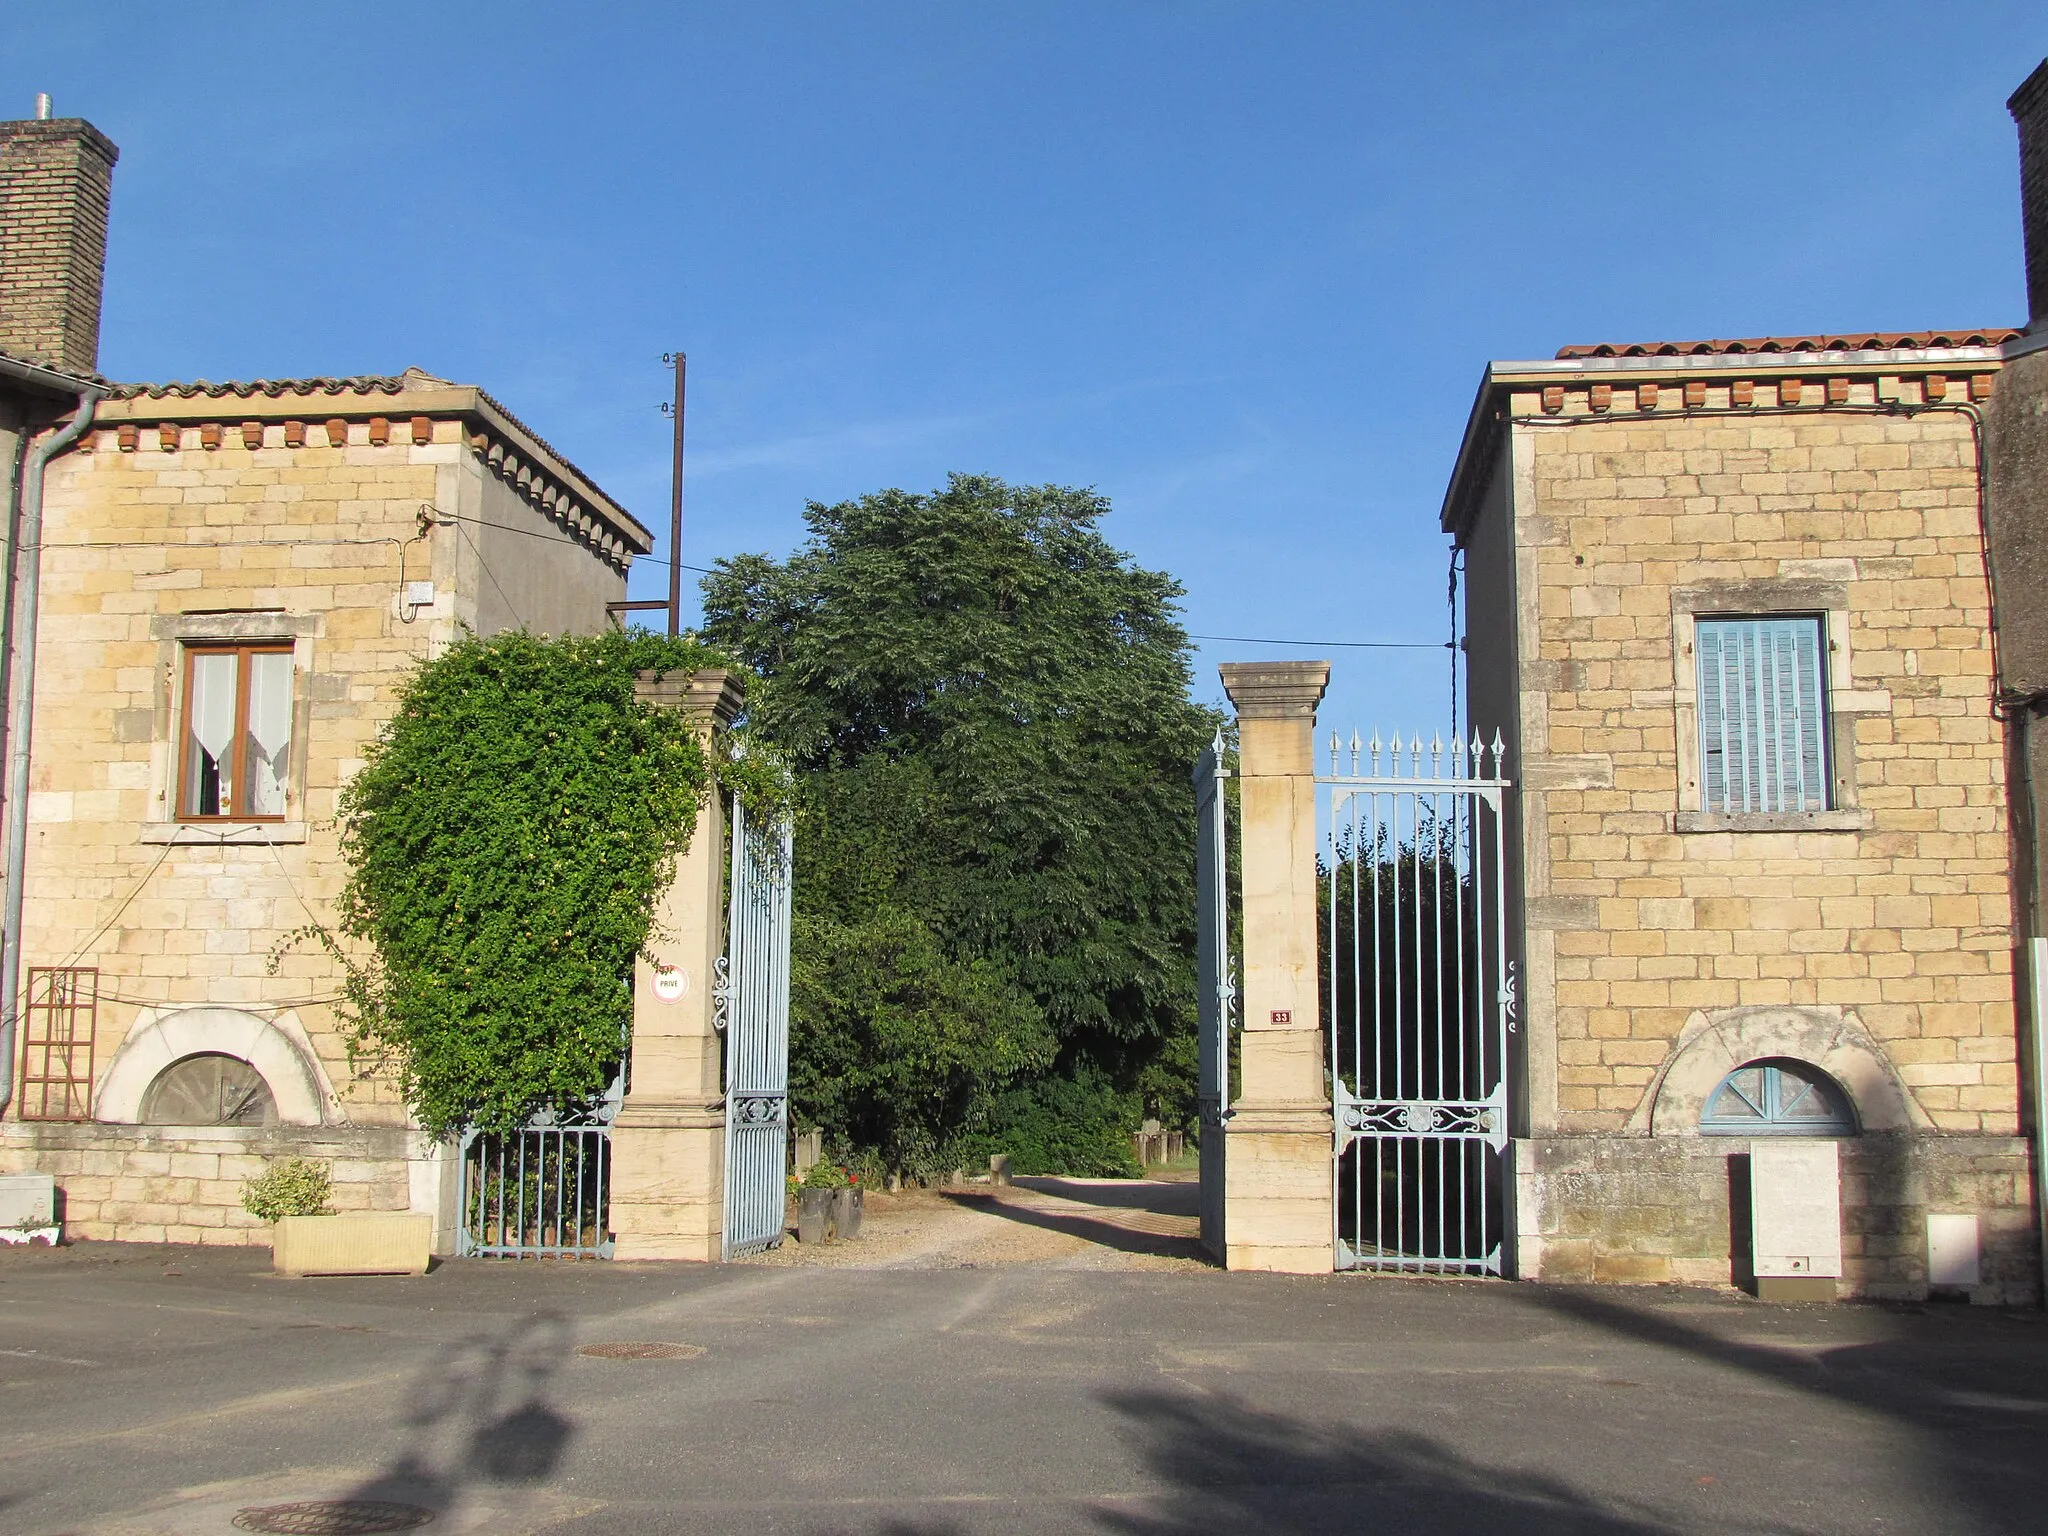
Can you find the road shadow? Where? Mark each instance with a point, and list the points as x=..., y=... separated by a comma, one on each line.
x=480, y=1414
x=1971, y=1387
x=1238, y=1469
x=1161, y=1197
x=1116, y=1227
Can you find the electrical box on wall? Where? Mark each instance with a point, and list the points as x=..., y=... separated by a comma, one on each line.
x=419, y=594
x=1795, y=1200
x=1954, y=1254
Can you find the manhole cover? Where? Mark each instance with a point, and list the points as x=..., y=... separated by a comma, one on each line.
x=332, y=1517
x=641, y=1349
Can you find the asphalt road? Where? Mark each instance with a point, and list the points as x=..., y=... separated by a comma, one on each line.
x=162, y=1390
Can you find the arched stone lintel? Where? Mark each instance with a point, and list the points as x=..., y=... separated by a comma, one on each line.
x=1714, y=1044
x=278, y=1048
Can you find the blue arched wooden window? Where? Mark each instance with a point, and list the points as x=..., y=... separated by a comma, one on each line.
x=1778, y=1097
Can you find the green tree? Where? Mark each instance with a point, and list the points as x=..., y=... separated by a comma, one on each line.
x=987, y=709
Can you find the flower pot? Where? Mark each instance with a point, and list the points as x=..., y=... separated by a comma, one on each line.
x=813, y=1215
x=846, y=1213
x=358, y=1243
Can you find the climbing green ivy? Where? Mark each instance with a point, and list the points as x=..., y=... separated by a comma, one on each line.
x=506, y=841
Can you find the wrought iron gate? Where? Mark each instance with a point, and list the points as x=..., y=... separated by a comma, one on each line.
x=1419, y=988
x=1216, y=990
x=540, y=1192
x=751, y=1001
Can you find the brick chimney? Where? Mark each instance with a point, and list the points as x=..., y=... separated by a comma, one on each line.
x=2029, y=108
x=55, y=176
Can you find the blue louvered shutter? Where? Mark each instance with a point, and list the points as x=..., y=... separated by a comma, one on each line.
x=1763, y=715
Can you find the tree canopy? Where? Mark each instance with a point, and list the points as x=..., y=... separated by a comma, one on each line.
x=986, y=706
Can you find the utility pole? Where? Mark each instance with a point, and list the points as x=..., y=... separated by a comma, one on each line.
x=675, y=521
x=673, y=409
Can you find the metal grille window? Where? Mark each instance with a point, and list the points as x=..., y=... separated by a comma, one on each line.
x=236, y=751
x=1763, y=715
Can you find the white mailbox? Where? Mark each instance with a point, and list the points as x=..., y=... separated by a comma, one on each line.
x=1795, y=1207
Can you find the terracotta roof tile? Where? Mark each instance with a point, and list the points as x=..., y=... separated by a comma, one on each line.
x=359, y=384
x=1851, y=341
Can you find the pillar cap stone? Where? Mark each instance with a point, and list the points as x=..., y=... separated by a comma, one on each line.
x=1275, y=690
x=713, y=695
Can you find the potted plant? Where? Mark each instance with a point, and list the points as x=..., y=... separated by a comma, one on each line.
x=817, y=1195
x=847, y=1208
x=308, y=1238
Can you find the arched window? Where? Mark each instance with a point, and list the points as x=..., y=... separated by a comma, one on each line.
x=1778, y=1097
x=209, y=1089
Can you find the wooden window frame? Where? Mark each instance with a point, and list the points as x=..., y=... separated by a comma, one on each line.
x=245, y=671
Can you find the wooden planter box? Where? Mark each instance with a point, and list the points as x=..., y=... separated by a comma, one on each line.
x=358, y=1243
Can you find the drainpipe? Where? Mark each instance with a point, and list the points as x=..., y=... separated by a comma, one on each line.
x=25, y=522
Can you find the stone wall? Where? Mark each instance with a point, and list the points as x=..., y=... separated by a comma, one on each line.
x=1659, y=1209
x=183, y=1184
x=1608, y=507
x=300, y=544
x=1897, y=903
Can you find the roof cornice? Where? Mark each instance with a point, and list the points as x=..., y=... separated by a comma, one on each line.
x=1576, y=391
x=512, y=450
x=1748, y=365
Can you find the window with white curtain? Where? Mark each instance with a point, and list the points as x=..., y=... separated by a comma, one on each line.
x=236, y=755
x=1762, y=714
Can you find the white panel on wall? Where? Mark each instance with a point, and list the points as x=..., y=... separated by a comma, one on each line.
x=1795, y=1202
x=1952, y=1252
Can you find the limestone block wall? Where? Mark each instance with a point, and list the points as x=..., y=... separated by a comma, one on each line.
x=295, y=513
x=183, y=1184
x=1897, y=905
x=1651, y=1210
x=1606, y=515
x=303, y=544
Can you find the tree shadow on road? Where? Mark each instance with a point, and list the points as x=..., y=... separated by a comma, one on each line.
x=1235, y=1469
x=479, y=1413
x=1971, y=1387
x=1108, y=1230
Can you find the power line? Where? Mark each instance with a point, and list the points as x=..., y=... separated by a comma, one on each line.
x=1349, y=645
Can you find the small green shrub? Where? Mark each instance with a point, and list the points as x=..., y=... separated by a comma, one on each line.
x=290, y=1186
x=824, y=1175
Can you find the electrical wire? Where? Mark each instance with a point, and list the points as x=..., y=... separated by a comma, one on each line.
x=485, y=566
x=1349, y=645
x=126, y=902
x=553, y=538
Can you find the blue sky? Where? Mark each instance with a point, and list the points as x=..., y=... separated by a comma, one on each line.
x=1237, y=266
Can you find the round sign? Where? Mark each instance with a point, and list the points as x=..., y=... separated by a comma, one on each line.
x=671, y=984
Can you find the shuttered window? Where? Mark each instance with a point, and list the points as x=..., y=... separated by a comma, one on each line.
x=1763, y=715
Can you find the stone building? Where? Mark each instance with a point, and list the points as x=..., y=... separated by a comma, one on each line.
x=1728, y=603
x=235, y=579
x=2016, y=443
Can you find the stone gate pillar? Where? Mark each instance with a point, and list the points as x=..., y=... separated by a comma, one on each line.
x=668, y=1143
x=1279, y=1212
